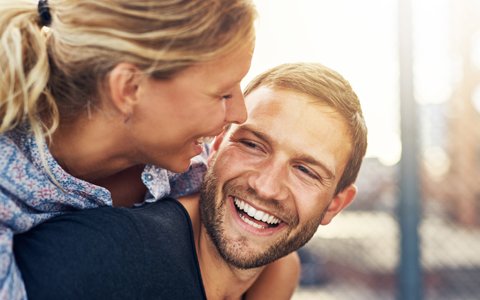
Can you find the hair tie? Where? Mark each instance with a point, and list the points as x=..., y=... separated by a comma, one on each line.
x=44, y=13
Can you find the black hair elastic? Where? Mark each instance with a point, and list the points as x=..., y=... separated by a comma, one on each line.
x=44, y=13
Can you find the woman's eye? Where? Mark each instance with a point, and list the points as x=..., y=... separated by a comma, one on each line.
x=226, y=97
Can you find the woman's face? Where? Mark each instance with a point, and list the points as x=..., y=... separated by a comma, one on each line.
x=174, y=115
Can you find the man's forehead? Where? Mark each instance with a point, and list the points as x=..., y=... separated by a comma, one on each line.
x=265, y=104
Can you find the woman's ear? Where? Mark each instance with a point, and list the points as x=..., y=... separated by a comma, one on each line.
x=339, y=202
x=123, y=82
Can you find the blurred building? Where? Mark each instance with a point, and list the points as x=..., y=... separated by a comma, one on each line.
x=357, y=256
x=459, y=188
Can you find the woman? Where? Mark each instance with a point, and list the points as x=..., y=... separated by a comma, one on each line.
x=92, y=91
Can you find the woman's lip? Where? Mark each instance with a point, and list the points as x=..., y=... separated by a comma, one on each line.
x=197, y=148
x=204, y=140
x=209, y=137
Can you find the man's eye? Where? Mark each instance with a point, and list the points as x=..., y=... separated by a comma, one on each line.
x=249, y=144
x=226, y=97
x=306, y=171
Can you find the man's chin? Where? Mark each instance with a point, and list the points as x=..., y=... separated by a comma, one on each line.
x=239, y=255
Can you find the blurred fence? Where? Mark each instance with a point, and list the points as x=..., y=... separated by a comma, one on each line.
x=357, y=256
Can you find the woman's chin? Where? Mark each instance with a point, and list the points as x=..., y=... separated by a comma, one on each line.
x=179, y=165
x=180, y=161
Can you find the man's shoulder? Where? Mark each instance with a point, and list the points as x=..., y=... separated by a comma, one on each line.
x=167, y=212
x=166, y=225
x=191, y=203
x=145, y=253
x=166, y=220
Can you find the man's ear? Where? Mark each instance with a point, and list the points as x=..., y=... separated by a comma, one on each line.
x=339, y=202
x=123, y=82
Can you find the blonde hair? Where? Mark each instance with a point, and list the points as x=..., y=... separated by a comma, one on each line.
x=49, y=74
x=327, y=87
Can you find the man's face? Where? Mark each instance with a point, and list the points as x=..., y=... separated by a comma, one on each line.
x=272, y=181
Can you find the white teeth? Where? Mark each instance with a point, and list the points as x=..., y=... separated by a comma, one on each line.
x=270, y=219
x=204, y=140
x=250, y=222
x=251, y=211
x=265, y=218
x=256, y=214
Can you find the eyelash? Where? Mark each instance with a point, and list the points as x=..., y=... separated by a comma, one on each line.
x=307, y=172
x=249, y=144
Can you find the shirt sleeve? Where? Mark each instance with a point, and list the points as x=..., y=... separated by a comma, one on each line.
x=13, y=219
x=161, y=183
x=189, y=182
x=11, y=283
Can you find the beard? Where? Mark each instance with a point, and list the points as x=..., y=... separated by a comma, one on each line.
x=236, y=251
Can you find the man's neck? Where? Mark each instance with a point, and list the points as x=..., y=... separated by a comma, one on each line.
x=221, y=280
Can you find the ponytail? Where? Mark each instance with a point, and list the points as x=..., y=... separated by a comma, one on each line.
x=25, y=71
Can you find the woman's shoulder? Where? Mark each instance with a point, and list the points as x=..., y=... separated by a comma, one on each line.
x=13, y=147
x=17, y=144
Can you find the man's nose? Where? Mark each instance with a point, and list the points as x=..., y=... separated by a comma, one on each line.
x=269, y=181
x=236, y=112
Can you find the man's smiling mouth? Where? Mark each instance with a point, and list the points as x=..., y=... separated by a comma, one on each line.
x=255, y=217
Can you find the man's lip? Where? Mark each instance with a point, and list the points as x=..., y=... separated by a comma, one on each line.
x=259, y=209
x=248, y=227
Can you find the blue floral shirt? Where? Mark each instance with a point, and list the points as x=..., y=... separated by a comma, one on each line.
x=29, y=196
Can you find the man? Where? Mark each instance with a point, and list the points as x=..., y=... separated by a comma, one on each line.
x=271, y=182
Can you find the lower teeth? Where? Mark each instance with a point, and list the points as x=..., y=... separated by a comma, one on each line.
x=243, y=217
x=250, y=222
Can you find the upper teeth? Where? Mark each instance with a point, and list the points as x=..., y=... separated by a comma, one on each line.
x=255, y=213
x=204, y=140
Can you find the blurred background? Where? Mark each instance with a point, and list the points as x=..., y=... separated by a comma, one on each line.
x=414, y=230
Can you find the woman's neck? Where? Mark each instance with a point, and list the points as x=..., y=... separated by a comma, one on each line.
x=90, y=149
x=126, y=187
x=92, y=152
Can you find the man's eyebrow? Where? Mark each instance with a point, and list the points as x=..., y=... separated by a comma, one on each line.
x=255, y=132
x=310, y=160
x=303, y=157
